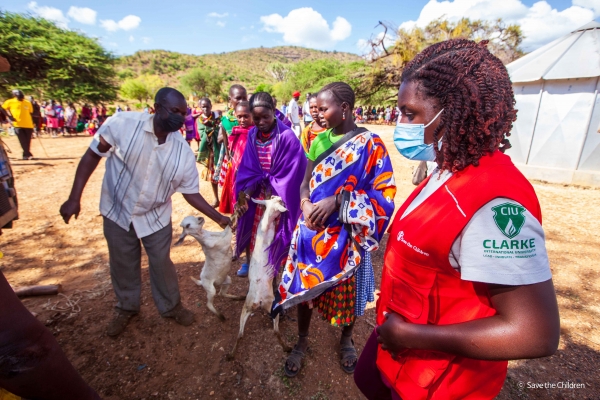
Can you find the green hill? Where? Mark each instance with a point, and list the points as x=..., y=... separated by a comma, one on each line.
x=249, y=67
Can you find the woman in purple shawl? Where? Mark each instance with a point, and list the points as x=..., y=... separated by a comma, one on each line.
x=273, y=164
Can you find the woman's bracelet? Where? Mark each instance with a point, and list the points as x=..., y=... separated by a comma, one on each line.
x=304, y=200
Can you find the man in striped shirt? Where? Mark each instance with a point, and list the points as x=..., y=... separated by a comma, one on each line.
x=147, y=161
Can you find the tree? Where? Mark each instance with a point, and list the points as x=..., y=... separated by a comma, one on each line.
x=392, y=49
x=54, y=62
x=141, y=88
x=312, y=75
x=278, y=71
x=202, y=82
x=152, y=84
x=264, y=87
x=134, y=89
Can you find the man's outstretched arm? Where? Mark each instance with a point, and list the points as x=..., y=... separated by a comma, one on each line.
x=88, y=164
x=199, y=203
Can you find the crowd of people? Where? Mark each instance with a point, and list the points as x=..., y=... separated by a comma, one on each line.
x=387, y=115
x=466, y=283
x=27, y=119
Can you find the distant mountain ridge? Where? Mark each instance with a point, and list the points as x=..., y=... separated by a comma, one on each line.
x=249, y=66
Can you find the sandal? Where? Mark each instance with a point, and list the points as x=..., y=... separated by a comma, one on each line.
x=348, y=353
x=295, y=358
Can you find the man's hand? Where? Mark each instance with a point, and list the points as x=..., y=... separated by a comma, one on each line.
x=224, y=222
x=70, y=208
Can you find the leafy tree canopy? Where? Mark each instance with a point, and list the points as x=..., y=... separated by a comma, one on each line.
x=312, y=75
x=54, y=62
x=202, y=82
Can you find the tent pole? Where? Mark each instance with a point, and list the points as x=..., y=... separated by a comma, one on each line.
x=537, y=114
x=587, y=130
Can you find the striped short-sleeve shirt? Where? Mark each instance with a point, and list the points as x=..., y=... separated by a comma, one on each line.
x=142, y=175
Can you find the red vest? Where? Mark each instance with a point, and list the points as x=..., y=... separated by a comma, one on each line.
x=419, y=283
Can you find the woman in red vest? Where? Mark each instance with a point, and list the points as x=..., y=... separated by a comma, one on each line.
x=466, y=283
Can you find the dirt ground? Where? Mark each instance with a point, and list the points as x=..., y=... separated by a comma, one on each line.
x=157, y=359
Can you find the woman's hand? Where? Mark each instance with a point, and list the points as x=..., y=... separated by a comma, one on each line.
x=241, y=206
x=322, y=211
x=307, y=210
x=240, y=209
x=392, y=334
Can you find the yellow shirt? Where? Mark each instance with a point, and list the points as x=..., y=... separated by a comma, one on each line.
x=21, y=111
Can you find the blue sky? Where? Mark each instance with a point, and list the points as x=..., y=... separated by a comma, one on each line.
x=195, y=27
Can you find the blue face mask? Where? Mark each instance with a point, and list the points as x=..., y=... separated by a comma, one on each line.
x=410, y=141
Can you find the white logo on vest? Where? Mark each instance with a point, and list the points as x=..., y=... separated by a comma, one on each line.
x=401, y=239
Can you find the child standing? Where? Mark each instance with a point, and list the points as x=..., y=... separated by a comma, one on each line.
x=236, y=146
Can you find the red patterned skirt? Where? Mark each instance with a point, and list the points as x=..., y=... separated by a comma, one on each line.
x=337, y=305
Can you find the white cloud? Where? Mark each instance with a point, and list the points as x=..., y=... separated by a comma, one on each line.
x=540, y=23
x=306, y=27
x=83, y=15
x=217, y=15
x=221, y=24
x=50, y=13
x=146, y=40
x=131, y=38
x=127, y=23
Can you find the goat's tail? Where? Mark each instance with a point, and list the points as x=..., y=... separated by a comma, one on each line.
x=196, y=281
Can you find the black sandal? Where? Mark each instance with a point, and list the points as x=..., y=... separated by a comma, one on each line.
x=348, y=353
x=295, y=358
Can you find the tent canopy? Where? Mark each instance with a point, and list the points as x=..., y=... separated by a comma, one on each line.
x=576, y=55
x=556, y=135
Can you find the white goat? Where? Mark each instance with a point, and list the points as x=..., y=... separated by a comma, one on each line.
x=218, y=253
x=260, y=274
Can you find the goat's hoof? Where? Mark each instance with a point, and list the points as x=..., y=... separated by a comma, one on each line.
x=230, y=357
x=287, y=349
x=222, y=317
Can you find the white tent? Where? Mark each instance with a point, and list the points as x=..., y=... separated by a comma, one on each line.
x=556, y=136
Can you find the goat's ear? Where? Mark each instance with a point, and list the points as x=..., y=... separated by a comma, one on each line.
x=280, y=208
x=261, y=202
x=187, y=226
x=200, y=220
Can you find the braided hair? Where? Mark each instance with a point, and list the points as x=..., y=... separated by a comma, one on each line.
x=473, y=88
x=262, y=99
x=341, y=92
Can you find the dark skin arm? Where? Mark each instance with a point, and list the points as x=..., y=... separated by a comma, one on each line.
x=199, y=203
x=526, y=325
x=7, y=114
x=86, y=167
x=224, y=139
x=32, y=364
